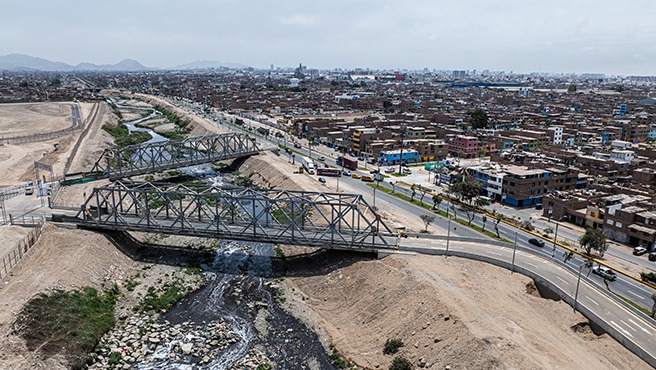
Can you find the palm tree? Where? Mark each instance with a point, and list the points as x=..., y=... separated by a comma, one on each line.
x=484, y=219
x=437, y=200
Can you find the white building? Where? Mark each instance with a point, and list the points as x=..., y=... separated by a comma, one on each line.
x=557, y=134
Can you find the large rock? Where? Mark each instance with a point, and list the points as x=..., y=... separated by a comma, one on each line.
x=187, y=348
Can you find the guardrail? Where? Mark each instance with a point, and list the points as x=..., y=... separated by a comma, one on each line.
x=13, y=259
x=539, y=279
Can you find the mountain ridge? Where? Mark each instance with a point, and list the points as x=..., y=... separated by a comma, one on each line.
x=24, y=62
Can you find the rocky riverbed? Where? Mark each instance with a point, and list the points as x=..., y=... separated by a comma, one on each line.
x=235, y=321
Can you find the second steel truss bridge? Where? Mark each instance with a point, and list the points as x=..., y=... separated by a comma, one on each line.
x=117, y=163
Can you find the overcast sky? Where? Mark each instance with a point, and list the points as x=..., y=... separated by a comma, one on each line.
x=513, y=35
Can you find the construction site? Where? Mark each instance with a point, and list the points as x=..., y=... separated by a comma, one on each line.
x=448, y=313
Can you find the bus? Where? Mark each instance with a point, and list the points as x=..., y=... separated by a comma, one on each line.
x=308, y=165
x=329, y=171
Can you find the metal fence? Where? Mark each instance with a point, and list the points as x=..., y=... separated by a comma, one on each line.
x=22, y=248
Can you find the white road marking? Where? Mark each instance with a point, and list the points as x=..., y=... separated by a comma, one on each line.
x=635, y=294
x=641, y=328
x=592, y=300
x=531, y=264
x=495, y=253
x=561, y=279
x=621, y=329
x=628, y=326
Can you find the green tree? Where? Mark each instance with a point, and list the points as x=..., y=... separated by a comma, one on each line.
x=484, y=220
x=437, y=200
x=594, y=239
x=479, y=118
x=496, y=224
x=414, y=192
x=653, y=307
x=393, y=183
x=427, y=219
x=423, y=191
x=571, y=88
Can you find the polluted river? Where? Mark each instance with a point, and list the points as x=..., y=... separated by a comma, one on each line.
x=234, y=321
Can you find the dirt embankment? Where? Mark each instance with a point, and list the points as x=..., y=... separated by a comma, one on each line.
x=449, y=313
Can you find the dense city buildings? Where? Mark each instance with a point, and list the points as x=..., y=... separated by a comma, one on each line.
x=581, y=147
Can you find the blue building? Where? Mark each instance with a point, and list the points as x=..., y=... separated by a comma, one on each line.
x=394, y=156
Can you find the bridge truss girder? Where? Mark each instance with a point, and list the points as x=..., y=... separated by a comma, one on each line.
x=326, y=220
x=116, y=163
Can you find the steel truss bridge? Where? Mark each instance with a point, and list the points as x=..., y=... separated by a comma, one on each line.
x=117, y=163
x=325, y=220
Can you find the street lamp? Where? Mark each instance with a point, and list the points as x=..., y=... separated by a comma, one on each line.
x=553, y=252
x=512, y=268
x=578, y=282
x=401, y=153
x=448, y=237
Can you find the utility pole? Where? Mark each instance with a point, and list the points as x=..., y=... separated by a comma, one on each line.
x=578, y=282
x=401, y=153
x=512, y=268
x=448, y=237
x=553, y=252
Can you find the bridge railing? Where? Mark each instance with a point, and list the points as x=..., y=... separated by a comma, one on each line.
x=152, y=157
x=277, y=216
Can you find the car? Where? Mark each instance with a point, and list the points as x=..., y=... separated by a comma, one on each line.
x=367, y=178
x=346, y=173
x=604, y=272
x=322, y=180
x=322, y=158
x=536, y=242
x=538, y=206
x=373, y=172
x=356, y=176
x=652, y=256
x=407, y=171
x=639, y=251
x=297, y=145
x=390, y=170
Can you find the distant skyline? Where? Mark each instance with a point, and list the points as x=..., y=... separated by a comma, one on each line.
x=580, y=36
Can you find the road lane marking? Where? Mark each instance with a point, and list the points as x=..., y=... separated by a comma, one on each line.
x=591, y=300
x=495, y=253
x=620, y=328
x=628, y=326
x=635, y=294
x=641, y=327
x=561, y=279
x=531, y=264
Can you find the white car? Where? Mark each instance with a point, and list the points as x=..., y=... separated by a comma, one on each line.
x=606, y=273
x=639, y=251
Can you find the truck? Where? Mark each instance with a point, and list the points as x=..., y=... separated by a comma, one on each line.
x=348, y=162
x=308, y=164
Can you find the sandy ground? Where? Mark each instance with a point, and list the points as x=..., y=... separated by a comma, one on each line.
x=9, y=237
x=17, y=161
x=24, y=118
x=460, y=313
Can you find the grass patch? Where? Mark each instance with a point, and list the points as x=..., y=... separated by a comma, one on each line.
x=123, y=137
x=68, y=323
x=162, y=298
x=635, y=305
x=337, y=359
x=440, y=212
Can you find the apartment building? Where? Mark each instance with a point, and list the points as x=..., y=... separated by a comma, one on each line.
x=629, y=222
x=463, y=146
x=555, y=133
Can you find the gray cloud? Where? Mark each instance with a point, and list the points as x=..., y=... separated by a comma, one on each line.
x=523, y=36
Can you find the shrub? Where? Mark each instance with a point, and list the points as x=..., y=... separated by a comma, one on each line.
x=392, y=346
x=400, y=363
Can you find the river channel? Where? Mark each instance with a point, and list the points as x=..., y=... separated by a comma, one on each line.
x=239, y=292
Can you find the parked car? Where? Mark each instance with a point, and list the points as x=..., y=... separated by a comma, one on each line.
x=346, y=173
x=639, y=251
x=390, y=170
x=356, y=176
x=536, y=242
x=322, y=180
x=604, y=272
x=652, y=256
x=538, y=206
x=407, y=171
